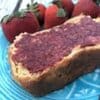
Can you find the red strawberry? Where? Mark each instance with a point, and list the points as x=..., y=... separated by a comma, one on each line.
x=18, y=23
x=54, y=16
x=87, y=7
x=38, y=9
x=66, y=4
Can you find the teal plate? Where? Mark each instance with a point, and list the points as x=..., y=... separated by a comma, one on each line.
x=86, y=87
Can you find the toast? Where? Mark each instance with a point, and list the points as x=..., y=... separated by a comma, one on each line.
x=50, y=59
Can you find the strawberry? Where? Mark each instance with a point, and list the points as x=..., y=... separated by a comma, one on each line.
x=87, y=7
x=54, y=16
x=66, y=4
x=19, y=22
x=38, y=9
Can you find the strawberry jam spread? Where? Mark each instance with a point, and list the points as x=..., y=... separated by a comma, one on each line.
x=38, y=52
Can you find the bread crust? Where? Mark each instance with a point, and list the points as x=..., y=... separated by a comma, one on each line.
x=81, y=60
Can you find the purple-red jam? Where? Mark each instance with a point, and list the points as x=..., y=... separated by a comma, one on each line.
x=44, y=50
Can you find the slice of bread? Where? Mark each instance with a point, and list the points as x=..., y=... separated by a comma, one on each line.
x=81, y=58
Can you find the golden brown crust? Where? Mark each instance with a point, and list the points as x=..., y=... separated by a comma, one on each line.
x=81, y=60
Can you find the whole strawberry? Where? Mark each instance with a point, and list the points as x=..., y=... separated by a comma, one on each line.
x=19, y=22
x=54, y=16
x=87, y=7
x=39, y=10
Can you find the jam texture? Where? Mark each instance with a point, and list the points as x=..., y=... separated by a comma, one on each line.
x=44, y=50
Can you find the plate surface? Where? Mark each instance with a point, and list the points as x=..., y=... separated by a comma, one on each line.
x=86, y=87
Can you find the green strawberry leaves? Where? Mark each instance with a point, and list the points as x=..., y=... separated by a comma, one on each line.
x=32, y=7
x=18, y=14
x=61, y=13
x=4, y=19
